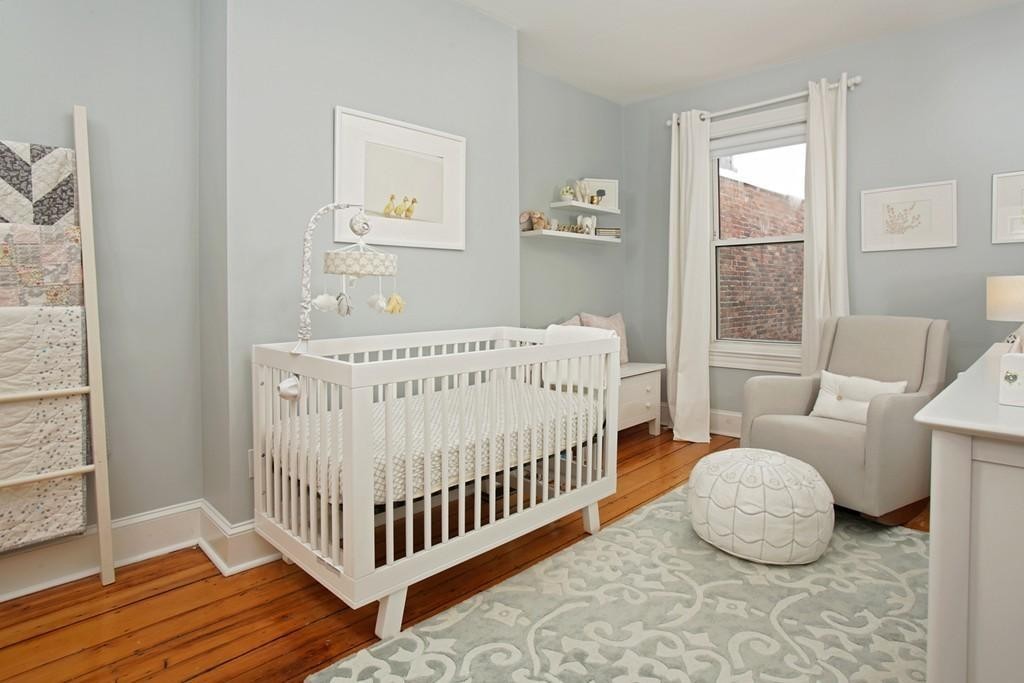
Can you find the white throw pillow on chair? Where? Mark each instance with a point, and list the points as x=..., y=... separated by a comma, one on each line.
x=847, y=398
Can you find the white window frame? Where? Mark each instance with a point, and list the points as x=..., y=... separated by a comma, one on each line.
x=760, y=130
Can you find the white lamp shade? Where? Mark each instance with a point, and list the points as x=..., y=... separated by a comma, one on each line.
x=1005, y=298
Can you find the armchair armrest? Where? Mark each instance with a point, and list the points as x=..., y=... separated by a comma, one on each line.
x=897, y=452
x=776, y=395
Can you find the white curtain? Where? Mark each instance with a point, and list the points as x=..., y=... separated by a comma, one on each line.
x=826, y=288
x=688, y=333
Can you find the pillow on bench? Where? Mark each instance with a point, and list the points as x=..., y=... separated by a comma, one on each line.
x=847, y=398
x=614, y=323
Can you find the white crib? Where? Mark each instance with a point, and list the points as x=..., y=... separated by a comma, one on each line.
x=402, y=455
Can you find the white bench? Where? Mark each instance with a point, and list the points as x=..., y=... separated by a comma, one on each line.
x=640, y=396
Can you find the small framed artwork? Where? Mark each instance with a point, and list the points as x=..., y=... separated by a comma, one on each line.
x=908, y=217
x=410, y=180
x=607, y=189
x=1008, y=207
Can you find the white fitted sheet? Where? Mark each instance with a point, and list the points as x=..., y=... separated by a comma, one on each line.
x=490, y=414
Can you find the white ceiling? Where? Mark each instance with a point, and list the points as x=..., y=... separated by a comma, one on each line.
x=627, y=50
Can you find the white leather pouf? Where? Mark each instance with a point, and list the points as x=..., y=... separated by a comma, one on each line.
x=762, y=506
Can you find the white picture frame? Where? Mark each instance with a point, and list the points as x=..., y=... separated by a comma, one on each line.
x=1008, y=207
x=375, y=157
x=919, y=216
x=610, y=187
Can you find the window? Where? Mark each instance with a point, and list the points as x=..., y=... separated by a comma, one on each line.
x=757, y=247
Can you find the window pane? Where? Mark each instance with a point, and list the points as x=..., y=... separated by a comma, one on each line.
x=761, y=194
x=760, y=291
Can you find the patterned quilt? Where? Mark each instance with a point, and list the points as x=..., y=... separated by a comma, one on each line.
x=42, y=343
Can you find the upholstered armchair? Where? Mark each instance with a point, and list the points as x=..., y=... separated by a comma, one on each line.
x=874, y=468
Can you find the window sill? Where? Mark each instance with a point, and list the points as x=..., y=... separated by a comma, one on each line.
x=767, y=357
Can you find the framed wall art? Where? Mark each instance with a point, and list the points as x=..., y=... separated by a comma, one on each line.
x=411, y=181
x=1008, y=207
x=909, y=217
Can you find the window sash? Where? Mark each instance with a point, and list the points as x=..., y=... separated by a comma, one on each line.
x=762, y=130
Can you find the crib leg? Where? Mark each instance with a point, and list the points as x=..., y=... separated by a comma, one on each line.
x=389, y=614
x=591, y=519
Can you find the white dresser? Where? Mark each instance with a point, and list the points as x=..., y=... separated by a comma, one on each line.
x=976, y=567
x=640, y=396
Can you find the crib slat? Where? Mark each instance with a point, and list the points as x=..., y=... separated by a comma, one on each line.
x=521, y=423
x=601, y=417
x=407, y=453
x=462, y=382
x=428, y=451
x=302, y=457
x=559, y=419
x=445, y=474
x=581, y=416
x=390, y=394
x=546, y=408
x=506, y=455
x=323, y=458
x=492, y=444
x=335, y=476
x=477, y=418
x=287, y=408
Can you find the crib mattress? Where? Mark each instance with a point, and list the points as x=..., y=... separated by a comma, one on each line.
x=546, y=420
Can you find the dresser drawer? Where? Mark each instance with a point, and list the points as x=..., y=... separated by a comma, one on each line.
x=639, y=399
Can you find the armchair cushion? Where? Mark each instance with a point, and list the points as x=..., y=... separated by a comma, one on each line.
x=885, y=348
x=847, y=398
x=833, y=447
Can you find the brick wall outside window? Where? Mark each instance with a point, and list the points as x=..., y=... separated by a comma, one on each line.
x=760, y=286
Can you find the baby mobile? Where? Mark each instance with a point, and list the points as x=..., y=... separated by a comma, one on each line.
x=350, y=263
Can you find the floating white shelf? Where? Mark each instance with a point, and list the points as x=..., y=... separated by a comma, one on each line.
x=584, y=207
x=570, y=235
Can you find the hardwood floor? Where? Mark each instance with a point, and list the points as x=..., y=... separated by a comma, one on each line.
x=176, y=618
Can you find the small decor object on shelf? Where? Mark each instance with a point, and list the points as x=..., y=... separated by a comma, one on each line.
x=567, y=194
x=605, y=192
x=389, y=208
x=524, y=222
x=410, y=209
x=909, y=217
x=581, y=191
x=538, y=220
x=1008, y=207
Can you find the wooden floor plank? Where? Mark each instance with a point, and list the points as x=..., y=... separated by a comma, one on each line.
x=95, y=601
x=175, y=618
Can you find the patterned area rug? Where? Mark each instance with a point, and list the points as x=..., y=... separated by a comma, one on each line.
x=647, y=600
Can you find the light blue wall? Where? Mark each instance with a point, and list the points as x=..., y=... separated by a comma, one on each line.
x=448, y=68
x=943, y=102
x=212, y=229
x=133, y=64
x=565, y=134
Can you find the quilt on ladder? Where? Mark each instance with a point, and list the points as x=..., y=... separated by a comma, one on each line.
x=42, y=343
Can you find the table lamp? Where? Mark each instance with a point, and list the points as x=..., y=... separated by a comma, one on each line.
x=1005, y=302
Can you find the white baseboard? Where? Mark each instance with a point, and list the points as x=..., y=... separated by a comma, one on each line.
x=231, y=547
x=724, y=422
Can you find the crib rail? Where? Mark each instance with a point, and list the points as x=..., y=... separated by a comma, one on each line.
x=390, y=452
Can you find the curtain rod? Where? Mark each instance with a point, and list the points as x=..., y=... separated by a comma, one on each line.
x=851, y=83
